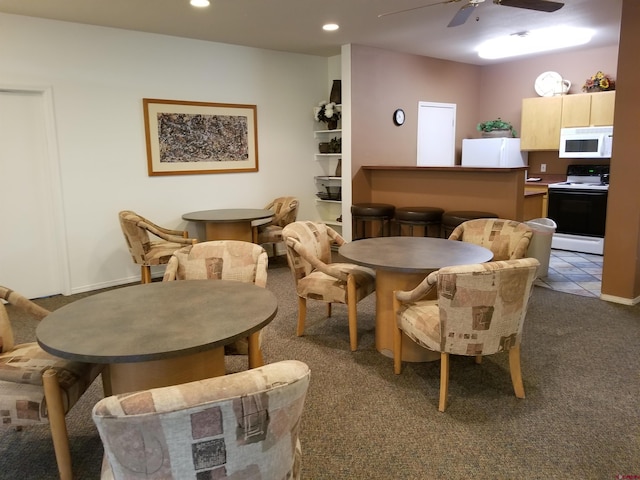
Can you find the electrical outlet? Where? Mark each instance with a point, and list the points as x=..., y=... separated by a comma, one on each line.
x=543, y=167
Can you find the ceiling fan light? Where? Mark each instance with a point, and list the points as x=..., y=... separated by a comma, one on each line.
x=534, y=41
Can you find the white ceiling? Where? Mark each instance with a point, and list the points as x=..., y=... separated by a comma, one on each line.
x=295, y=25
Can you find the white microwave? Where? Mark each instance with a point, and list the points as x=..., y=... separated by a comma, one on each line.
x=586, y=142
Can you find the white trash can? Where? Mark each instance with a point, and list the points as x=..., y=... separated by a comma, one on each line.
x=540, y=245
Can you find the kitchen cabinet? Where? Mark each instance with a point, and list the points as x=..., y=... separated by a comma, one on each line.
x=542, y=117
x=536, y=207
x=328, y=180
x=540, y=126
x=588, y=109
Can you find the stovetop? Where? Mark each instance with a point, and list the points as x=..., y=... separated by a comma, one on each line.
x=585, y=177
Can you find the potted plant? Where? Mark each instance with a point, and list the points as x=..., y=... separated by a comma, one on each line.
x=328, y=113
x=496, y=128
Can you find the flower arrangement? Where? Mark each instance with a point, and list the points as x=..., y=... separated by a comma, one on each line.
x=327, y=112
x=599, y=82
x=497, y=124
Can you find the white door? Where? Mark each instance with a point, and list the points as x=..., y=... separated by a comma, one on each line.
x=30, y=259
x=436, y=134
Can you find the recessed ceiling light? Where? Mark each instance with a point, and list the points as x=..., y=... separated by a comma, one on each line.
x=534, y=41
x=330, y=27
x=200, y=3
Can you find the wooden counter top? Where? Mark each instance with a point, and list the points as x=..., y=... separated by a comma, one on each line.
x=455, y=168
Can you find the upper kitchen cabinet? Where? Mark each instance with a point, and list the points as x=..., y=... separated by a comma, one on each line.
x=540, y=126
x=588, y=109
x=543, y=117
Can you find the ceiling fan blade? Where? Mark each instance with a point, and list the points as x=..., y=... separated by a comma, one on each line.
x=417, y=8
x=462, y=15
x=539, y=5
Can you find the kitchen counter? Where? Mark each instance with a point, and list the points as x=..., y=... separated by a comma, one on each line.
x=497, y=190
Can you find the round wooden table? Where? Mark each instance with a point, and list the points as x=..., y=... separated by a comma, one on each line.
x=161, y=333
x=230, y=223
x=401, y=263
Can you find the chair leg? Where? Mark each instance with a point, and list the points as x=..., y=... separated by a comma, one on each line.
x=478, y=359
x=57, y=424
x=328, y=309
x=352, y=306
x=397, y=338
x=516, y=372
x=302, y=314
x=255, y=352
x=444, y=380
x=145, y=274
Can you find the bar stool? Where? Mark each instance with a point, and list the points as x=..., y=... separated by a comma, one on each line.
x=362, y=213
x=419, y=217
x=451, y=219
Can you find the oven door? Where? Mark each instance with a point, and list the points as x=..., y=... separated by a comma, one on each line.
x=578, y=212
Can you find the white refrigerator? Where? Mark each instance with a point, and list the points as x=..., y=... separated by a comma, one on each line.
x=493, y=152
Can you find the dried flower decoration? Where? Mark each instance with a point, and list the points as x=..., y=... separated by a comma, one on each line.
x=599, y=82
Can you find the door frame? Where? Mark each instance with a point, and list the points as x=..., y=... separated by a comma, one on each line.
x=50, y=166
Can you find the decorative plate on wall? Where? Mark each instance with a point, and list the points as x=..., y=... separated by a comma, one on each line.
x=547, y=83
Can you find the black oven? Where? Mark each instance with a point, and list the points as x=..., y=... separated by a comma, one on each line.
x=578, y=212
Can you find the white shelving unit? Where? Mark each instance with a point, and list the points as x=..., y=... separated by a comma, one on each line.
x=329, y=210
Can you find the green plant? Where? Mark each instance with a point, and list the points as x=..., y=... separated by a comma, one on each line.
x=498, y=124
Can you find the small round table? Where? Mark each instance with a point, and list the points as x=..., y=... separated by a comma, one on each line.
x=401, y=263
x=161, y=333
x=230, y=223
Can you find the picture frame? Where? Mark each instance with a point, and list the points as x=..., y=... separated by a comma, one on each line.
x=187, y=138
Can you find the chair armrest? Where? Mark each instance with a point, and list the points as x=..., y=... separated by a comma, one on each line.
x=420, y=291
x=23, y=303
x=457, y=233
x=175, y=236
x=335, y=237
x=315, y=263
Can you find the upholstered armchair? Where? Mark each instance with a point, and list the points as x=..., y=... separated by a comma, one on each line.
x=224, y=260
x=507, y=239
x=285, y=211
x=243, y=425
x=146, y=252
x=35, y=387
x=479, y=310
x=317, y=278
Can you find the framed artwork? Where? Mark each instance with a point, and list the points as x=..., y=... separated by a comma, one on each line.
x=186, y=138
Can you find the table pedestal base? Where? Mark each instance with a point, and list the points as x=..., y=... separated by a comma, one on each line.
x=130, y=377
x=386, y=282
x=240, y=230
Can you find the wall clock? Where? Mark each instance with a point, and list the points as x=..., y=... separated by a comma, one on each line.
x=398, y=117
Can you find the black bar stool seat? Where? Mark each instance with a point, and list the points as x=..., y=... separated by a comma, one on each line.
x=419, y=217
x=451, y=219
x=361, y=213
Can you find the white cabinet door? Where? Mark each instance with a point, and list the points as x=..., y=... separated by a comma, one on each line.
x=436, y=134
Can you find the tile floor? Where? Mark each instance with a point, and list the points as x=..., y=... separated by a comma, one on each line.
x=574, y=272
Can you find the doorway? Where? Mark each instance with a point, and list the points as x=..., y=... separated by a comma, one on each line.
x=32, y=248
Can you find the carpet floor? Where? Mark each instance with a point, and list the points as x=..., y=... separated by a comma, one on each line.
x=580, y=419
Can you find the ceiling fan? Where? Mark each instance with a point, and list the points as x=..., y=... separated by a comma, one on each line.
x=466, y=10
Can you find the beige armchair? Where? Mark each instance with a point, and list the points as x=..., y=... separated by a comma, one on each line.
x=479, y=310
x=146, y=252
x=35, y=387
x=285, y=211
x=507, y=239
x=244, y=425
x=224, y=260
x=317, y=278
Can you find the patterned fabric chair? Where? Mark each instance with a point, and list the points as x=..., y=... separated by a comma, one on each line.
x=286, y=211
x=243, y=425
x=317, y=278
x=223, y=260
x=507, y=239
x=146, y=252
x=36, y=387
x=479, y=310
